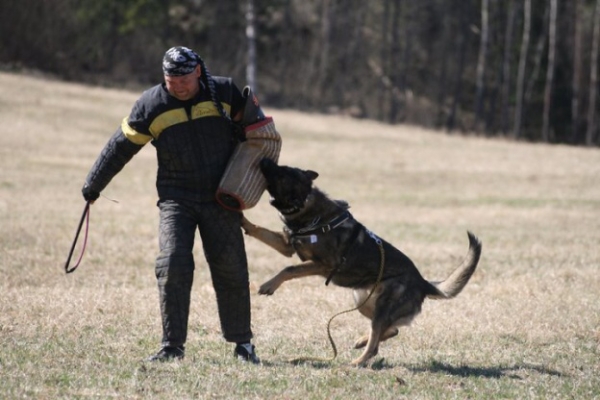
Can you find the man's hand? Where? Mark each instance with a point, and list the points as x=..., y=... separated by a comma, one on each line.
x=89, y=194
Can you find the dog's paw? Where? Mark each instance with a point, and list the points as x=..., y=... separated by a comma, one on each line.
x=247, y=226
x=359, y=362
x=364, y=358
x=267, y=289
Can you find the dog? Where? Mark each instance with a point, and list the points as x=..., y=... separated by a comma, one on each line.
x=388, y=288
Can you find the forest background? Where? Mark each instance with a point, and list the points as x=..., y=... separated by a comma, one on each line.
x=524, y=69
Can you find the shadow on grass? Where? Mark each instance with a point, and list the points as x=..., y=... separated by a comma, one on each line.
x=314, y=363
x=483, y=372
x=437, y=367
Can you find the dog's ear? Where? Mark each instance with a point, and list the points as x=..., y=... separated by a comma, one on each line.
x=311, y=174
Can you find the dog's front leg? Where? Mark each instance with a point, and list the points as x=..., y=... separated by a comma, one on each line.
x=307, y=268
x=276, y=240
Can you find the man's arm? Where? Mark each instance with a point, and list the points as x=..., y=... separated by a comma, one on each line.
x=117, y=152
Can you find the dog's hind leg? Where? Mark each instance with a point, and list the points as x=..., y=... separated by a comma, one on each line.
x=372, y=346
x=362, y=341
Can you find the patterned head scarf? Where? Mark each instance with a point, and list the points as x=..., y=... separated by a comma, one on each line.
x=179, y=61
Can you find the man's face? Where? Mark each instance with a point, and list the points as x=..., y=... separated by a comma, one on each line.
x=184, y=87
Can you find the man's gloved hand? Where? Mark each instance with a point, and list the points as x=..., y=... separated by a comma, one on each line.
x=89, y=194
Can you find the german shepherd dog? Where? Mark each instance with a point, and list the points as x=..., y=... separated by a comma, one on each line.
x=332, y=244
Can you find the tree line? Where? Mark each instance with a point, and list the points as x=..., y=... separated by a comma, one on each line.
x=523, y=69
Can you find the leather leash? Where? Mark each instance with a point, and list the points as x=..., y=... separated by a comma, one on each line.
x=379, y=277
x=85, y=216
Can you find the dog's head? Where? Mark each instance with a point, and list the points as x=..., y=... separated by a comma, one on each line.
x=289, y=187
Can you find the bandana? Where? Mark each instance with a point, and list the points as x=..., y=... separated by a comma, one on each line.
x=179, y=61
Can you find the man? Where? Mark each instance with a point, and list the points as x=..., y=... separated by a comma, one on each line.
x=187, y=119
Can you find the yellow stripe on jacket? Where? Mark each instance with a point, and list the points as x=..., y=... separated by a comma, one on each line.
x=168, y=119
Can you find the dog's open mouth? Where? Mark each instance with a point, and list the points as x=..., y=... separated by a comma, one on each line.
x=293, y=208
x=289, y=211
x=285, y=209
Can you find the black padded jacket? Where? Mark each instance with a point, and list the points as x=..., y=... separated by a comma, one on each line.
x=193, y=141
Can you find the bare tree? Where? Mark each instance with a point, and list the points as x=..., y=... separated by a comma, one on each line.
x=326, y=21
x=409, y=7
x=395, y=101
x=483, y=49
x=591, y=119
x=550, y=71
x=251, y=43
x=506, y=65
x=462, y=45
x=318, y=56
x=521, y=72
x=577, y=12
x=537, y=60
x=383, y=58
x=442, y=82
x=282, y=62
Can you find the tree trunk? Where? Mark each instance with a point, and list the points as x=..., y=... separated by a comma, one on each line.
x=521, y=71
x=506, y=66
x=318, y=58
x=347, y=84
x=448, y=34
x=325, y=45
x=395, y=102
x=577, y=12
x=591, y=119
x=286, y=62
x=251, y=43
x=480, y=78
x=546, y=134
x=537, y=60
x=462, y=44
x=406, y=61
x=384, y=58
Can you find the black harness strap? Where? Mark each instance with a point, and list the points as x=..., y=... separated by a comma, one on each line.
x=315, y=227
x=355, y=231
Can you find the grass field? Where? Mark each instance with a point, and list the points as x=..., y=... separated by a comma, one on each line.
x=527, y=326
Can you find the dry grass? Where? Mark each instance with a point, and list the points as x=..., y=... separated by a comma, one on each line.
x=526, y=326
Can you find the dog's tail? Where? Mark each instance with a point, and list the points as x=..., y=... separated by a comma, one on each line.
x=455, y=283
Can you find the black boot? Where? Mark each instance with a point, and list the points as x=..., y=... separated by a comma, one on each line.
x=245, y=352
x=168, y=353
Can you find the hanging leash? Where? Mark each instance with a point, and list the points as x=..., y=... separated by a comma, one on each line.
x=379, y=277
x=85, y=216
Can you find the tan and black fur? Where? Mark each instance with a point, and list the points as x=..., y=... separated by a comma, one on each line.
x=332, y=244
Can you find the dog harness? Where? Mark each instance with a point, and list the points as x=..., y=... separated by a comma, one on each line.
x=315, y=227
x=309, y=234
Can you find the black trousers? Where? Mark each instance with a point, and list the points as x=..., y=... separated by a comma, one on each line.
x=225, y=253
